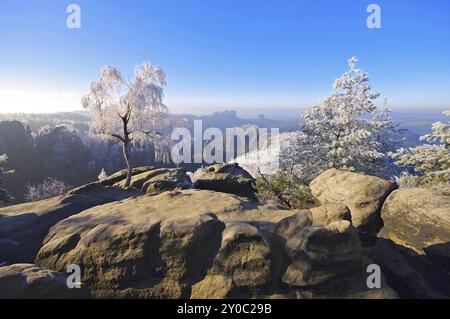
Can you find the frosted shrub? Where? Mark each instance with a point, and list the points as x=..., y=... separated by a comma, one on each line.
x=431, y=162
x=102, y=176
x=51, y=187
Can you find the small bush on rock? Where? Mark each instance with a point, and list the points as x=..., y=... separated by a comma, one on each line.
x=51, y=187
x=284, y=189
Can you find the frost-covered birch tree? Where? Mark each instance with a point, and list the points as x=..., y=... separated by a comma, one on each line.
x=345, y=130
x=431, y=161
x=126, y=110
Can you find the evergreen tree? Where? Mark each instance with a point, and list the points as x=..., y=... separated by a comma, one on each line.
x=346, y=130
x=3, y=173
x=430, y=161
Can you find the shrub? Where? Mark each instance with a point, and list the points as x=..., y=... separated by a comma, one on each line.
x=102, y=176
x=284, y=189
x=51, y=187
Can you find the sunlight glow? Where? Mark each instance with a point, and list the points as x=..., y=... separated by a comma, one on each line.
x=15, y=101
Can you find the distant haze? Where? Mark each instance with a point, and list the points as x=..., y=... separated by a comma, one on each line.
x=48, y=101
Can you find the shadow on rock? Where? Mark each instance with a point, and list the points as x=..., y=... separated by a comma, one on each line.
x=413, y=275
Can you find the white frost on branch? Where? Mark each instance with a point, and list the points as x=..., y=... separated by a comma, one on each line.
x=112, y=98
x=345, y=130
x=49, y=188
x=102, y=176
x=128, y=111
x=431, y=161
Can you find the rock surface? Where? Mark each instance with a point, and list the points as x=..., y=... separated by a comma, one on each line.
x=25, y=226
x=417, y=218
x=122, y=175
x=364, y=195
x=157, y=240
x=243, y=263
x=321, y=255
x=204, y=244
x=8, y=248
x=414, y=245
x=227, y=178
x=330, y=212
x=24, y=281
x=148, y=246
x=157, y=180
x=412, y=275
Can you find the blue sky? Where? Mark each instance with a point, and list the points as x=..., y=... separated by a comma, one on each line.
x=221, y=54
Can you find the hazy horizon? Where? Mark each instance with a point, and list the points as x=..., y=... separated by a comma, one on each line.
x=281, y=114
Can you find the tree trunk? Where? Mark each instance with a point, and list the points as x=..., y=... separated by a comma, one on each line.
x=126, y=154
x=126, y=140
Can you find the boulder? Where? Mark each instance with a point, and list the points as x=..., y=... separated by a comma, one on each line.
x=204, y=244
x=439, y=253
x=147, y=247
x=122, y=175
x=364, y=195
x=23, y=227
x=317, y=216
x=8, y=250
x=306, y=255
x=411, y=275
x=26, y=281
x=152, y=242
x=354, y=287
x=291, y=226
x=155, y=181
x=417, y=218
x=414, y=245
x=227, y=178
x=330, y=212
x=242, y=263
x=323, y=255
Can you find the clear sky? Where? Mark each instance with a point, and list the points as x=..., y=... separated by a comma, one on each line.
x=225, y=54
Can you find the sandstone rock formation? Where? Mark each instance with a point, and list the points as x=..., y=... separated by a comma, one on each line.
x=412, y=275
x=24, y=281
x=227, y=178
x=158, y=180
x=323, y=254
x=414, y=245
x=23, y=227
x=197, y=243
x=242, y=264
x=148, y=246
x=158, y=240
x=417, y=218
x=364, y=195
